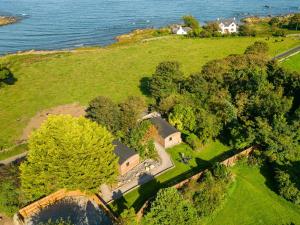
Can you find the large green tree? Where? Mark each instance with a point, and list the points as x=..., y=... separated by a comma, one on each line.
x=191, y=22
x=169, y=207
x=68, y=152
x=166, y=80
x=105, y=112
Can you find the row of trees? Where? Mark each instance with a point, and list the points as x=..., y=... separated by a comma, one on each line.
x=243, y=99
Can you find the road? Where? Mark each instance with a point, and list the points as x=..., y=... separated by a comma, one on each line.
x=288, y=53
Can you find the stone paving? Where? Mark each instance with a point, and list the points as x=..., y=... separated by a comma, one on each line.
x=148, y=173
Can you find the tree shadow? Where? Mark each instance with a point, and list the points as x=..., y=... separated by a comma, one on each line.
x=66, y=209
x=77, y=210
x=9, y=78
x=95, y=215
x=120, y=201
x=269, y=175
x=145, y=86
x=148, y=187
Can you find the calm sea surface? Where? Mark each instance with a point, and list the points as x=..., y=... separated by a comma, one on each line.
x=59, y=24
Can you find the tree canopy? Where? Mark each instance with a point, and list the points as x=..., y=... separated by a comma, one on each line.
x=191, y=22
x=169, y=207
x=68, y=152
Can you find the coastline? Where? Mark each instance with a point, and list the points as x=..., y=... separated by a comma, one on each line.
x=130, y=37
x=7, y=20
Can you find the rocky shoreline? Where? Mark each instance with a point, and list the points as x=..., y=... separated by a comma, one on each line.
x=6, y=20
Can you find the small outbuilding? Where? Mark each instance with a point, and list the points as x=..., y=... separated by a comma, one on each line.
x=168, y=136
x=128, y=158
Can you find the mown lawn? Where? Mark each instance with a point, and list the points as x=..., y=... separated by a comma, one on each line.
x=293, y=63
x=213, y=152
x=45, y=81
x=251, y=201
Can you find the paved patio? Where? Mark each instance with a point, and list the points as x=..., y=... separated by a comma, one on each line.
x=165, y=164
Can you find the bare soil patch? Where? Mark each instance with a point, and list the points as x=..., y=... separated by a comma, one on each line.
x=35, y=122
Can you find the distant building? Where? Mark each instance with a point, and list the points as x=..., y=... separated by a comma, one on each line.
x=179, y=30
x=128, y=158
x=168, y=136
x=227, y=26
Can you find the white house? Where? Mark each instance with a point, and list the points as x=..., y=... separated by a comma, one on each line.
x=179, y=30
x=228, y=26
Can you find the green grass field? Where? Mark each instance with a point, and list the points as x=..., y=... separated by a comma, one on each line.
x=45, y=81
x=251, y=201
x=293, y=63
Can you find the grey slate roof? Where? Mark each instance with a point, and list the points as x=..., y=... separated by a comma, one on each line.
x=122, y=151
x=227, y=22
x=176, y=28
x=164, y=128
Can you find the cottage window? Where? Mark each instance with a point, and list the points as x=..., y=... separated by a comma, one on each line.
x=127, y=164
x=170, y=138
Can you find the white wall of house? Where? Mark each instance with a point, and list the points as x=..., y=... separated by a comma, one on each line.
x=181, y=31
x=232, y=28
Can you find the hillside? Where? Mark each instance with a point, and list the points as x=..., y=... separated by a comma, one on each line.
x=47, y=80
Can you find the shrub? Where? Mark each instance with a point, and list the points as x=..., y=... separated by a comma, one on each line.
x=9, y=197
x=247, y=30
x=286, y=187
x=279, y=33
x=220, y=171
x=193, y=141
x=191, y=22
x=169, y=207
x=141, y=139
x=128, y=217
x=210, y=195
x=259, y=47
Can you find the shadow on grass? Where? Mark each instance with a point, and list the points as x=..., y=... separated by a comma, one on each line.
x=144, y=86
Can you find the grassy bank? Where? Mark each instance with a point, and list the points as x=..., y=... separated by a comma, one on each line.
x=251, y=201
x=45, y=81
x=14, y=151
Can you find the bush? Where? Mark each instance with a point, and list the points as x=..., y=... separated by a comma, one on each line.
x=286, y=187
x=220, y=171
x=210, y=195
x=259, y=47
x=9, y=197
x=205, y=34
x=128, y=217
x=190, y=21
x=193, y=141
x=279, y=33
x=246, y=30
x=141, y=139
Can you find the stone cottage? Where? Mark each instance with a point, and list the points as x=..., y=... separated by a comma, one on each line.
x=168, y=136
x=128, y=158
